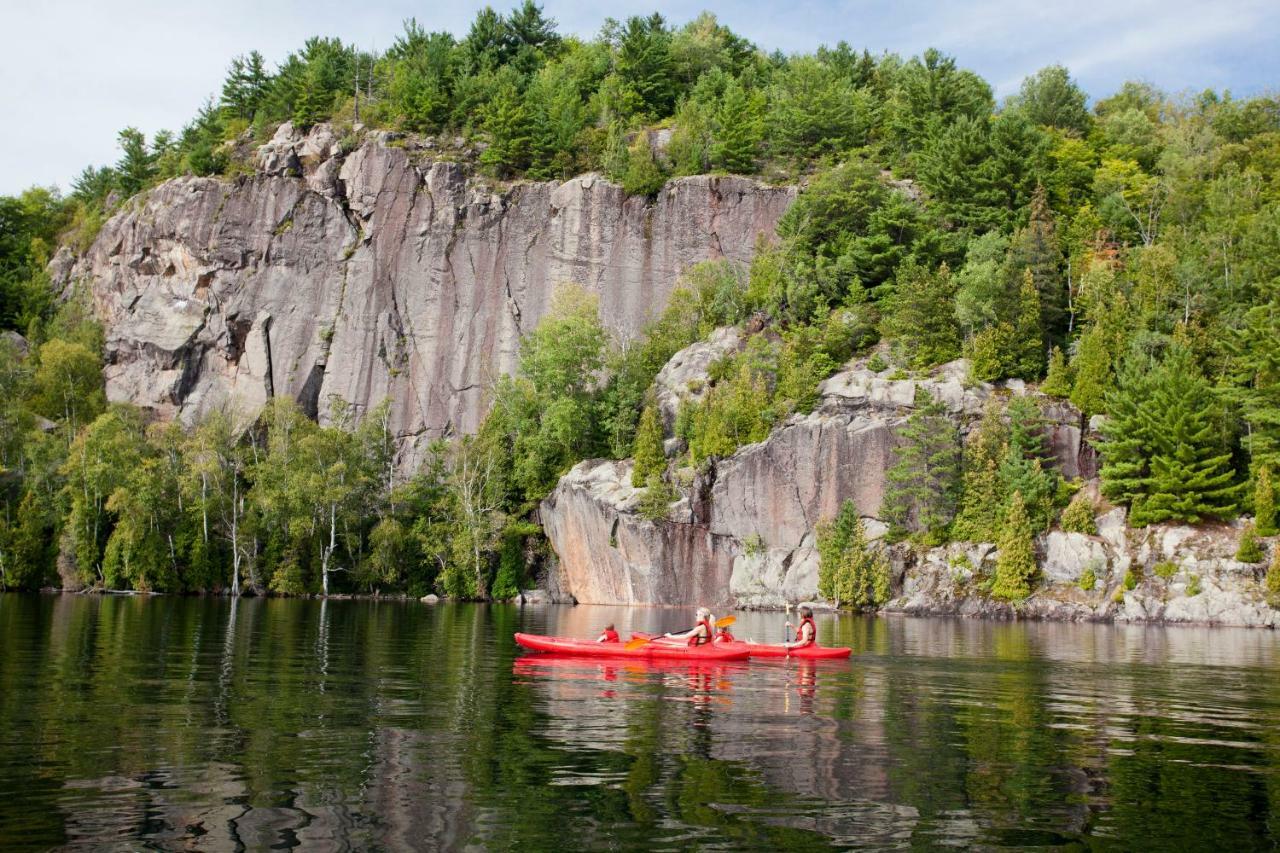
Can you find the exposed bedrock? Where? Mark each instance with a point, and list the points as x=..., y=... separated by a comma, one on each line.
x=743, y=533
x=380, y=273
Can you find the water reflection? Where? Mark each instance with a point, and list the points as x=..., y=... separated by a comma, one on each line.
x=212, y=724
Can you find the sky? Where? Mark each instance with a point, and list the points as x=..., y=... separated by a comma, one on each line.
x=74, y=72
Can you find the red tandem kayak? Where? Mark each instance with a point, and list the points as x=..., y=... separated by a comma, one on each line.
x=777, y=650
x=665, y=651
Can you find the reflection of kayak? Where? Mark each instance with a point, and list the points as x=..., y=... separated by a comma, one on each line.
x=777, y=650
x=667, y=651
x=611, y=668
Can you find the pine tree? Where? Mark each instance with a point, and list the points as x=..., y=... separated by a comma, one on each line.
x=737, y=131
x=507, y=123
x=1092, y=367
x=1057, y=382
x=1027, y=356
x=1264, y=503
x=1016, y=559
x=850, y=570
x=1163, y=453
x=982, y=501
x=1036, y=250
x=137, y=165
x=644, y=62
x=921, y=316
x=923, y=485
x=650, y=457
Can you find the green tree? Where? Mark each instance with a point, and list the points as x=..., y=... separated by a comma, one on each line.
x=1264, y=503
x=850, y=570
x=981, y=508
x=655, y=501
x=737, y=129
x=1057, y=381
x=67, y=385
x=644, y=63
x=1015, y=558
x=920, y=320
x=137, y=164
x=1080, y=516
x=922, y=487
x=643, y=175
x=649, y=454
x=1051, y=98
x=507, y=123
x=1092, y=367
x=815, y=110
x=1163, y=451
x=1250, y=549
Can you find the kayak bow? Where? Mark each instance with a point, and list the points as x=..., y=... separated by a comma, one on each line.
x=666, y=651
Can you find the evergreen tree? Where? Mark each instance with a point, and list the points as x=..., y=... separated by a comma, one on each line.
x=922, y=488
x=643, y=175
x=1027, y=354
x=1250, y=549
x=1264, y=503
x=1057, y=382
x=815, y=110
x=137, y=164
x=1163, y=452
x=507, y=123
x=655, y=502
x=982, y=502
x=1026, y=467
x=1080, y=515
x=1016, y=559
x=1273, y=578
x=737, y=131
x=245, y=87
x=1035, y=250
x=1092, y=367
x=1051, y=98
x=920, y=320
x=850, y=570
x=650, y=457
x=644, y=62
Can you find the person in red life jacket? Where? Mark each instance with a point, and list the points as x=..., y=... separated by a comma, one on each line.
x=807, y=633
x=608, y=635
x=723, y=636
x=698, y=634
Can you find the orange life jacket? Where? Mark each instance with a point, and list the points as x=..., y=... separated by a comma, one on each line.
x=698, y=639
x=813, y=637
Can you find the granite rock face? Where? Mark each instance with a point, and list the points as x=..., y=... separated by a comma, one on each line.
x=754, y=514
x=380, y=273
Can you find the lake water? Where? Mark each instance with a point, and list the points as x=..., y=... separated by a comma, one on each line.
x=270, y=724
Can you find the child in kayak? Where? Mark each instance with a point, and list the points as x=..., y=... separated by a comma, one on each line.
x=723, y=636
x=807, y=633
x=608, y=635
x=698, y=634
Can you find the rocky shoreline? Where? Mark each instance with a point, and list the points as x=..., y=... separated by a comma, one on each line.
x=742, y=533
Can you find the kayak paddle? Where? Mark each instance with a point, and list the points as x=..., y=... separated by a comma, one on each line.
x=722, y=622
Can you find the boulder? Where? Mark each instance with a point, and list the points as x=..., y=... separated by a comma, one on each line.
x=684, y=378
x=1067, y=555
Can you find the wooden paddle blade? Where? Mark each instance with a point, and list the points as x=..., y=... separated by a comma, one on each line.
x=635, y=644
x=726, y=621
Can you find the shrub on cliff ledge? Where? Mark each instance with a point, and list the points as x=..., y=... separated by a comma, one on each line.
x=1079, y=515
x=1250, y=550
x=649, y=454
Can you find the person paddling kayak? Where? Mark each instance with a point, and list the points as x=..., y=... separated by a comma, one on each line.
x=699, y=634
x=723, y=636
x=807, y=633
x=608, y=635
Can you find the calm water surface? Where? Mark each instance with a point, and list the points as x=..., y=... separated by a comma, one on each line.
x=203, y=724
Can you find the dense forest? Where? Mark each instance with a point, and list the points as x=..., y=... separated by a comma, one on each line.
x=1124, y=254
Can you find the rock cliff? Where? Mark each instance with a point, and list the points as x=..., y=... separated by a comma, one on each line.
x=382, y=271
x=743, y=533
